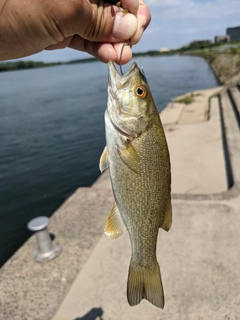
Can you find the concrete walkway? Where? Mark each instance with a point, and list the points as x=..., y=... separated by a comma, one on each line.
x=199, y=265
x=194, y=137
x=199, y=257
x=188, y=263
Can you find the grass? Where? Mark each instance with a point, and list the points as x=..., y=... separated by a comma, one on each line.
x=186, y=99
x=225, y=64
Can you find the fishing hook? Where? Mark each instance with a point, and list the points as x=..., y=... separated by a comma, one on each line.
x=124, y=45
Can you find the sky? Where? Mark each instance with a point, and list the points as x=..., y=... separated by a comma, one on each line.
x=174, y=23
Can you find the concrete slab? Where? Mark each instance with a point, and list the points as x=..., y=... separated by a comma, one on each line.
x=198, y=265
x=194, y=112
x=236, y=97
x=34, y=291
x=232, y=136
x=195, y=146
x=172, y=112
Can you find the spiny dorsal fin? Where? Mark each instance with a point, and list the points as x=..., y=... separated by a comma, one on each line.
x=168, y=218
x=114, y=225
x=104, y=162
x=129, y=157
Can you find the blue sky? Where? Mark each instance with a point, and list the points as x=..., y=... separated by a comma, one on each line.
x=174, y=24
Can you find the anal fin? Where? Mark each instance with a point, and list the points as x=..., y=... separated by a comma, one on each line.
x=114, y=225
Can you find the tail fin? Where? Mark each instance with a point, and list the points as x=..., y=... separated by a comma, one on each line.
x=145, y=283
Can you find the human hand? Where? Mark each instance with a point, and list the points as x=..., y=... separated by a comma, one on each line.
x=30, y=26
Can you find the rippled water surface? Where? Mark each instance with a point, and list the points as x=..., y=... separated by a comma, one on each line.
x=52, y=132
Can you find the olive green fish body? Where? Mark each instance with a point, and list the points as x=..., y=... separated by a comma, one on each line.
x=138, y=159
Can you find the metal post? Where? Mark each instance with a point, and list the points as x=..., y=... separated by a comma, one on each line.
x=47, y=249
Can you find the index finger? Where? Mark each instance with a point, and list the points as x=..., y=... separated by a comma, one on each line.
x=130, y=5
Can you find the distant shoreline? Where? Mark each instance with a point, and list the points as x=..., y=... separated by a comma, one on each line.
x=224, y=59
x=20, y=65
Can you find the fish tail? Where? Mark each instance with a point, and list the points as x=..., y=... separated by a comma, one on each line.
x=145, y=283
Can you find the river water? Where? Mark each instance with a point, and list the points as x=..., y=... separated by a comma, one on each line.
x=52, y=132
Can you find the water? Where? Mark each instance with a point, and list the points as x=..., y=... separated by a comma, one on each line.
x=52, y=132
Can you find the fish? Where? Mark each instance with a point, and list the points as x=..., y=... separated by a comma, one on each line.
x=137, y=156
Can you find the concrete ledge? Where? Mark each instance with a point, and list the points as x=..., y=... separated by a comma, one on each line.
x=31, y=290
x=232, y=136
x=195, y=144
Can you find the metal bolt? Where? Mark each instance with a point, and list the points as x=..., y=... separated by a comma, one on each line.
x=47, y=249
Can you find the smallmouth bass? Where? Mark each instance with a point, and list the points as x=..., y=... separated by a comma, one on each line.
x=137, y=156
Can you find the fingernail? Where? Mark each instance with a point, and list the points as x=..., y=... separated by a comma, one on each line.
x=125, y=25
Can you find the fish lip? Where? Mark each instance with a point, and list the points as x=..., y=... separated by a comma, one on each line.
x=115, y=78
x=112, y=67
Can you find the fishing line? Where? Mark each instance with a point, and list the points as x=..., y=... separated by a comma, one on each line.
x=124, y=45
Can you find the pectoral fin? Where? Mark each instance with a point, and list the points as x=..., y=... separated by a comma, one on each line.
x=129, y=157
x=168, y=218
x=104, y=162
x=114, y=225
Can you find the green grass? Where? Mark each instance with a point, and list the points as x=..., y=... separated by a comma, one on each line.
x=186, y=100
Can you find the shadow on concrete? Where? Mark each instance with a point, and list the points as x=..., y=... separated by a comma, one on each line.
x=93, y=314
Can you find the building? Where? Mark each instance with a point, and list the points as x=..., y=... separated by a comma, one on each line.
x=224, y=38
x=234, y=33
x=164, y=50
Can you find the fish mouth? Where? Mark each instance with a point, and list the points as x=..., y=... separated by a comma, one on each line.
x=120, y=89
x=117, y=80
x=112, y=68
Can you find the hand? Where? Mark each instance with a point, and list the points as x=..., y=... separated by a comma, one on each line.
x=30, y=26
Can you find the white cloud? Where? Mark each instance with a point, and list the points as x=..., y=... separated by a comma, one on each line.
x=185, y=9
x=183, y=21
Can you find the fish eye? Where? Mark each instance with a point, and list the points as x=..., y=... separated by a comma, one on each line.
x=141, y=91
